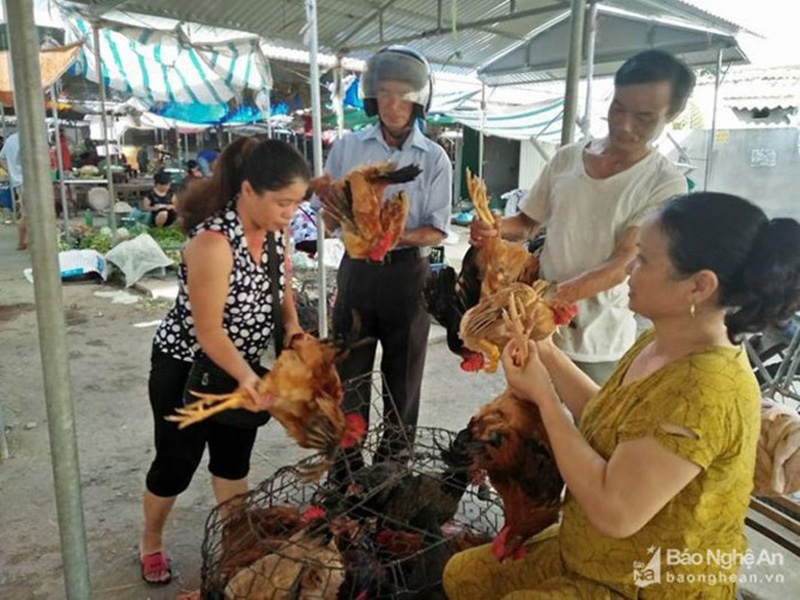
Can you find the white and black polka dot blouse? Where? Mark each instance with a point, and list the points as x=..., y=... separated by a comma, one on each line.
x=247, y=318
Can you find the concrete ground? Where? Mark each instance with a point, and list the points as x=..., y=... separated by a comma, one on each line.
x=109, y=349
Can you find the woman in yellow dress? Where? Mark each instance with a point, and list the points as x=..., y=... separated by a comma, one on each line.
x=660, y=469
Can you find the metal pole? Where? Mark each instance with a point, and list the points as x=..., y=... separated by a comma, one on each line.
x=458, y=171
x=480, y=133
x=3, y=116
x=710, y=145
x=269, y=114
x=316, y=126
x=61, y=185
x=573, y=71
x=586, y=124
x=112, y=197
x=24, y=43
x=338, y=98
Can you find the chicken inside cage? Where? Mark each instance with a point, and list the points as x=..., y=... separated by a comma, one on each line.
x=384, y=531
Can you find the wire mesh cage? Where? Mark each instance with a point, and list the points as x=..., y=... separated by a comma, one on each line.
x=305, y=284
x=381, y=525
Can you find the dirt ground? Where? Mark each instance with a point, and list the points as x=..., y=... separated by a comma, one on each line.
x=109, y=360
x=109, y=367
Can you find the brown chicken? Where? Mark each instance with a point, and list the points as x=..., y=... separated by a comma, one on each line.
x=370, y=226
x=308, y=396
x=249, y=535
x=500, y=262
x=511, y=445
x=307, y=566
x=517, y=308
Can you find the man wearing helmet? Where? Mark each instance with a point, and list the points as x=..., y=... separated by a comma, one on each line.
x=397, y=87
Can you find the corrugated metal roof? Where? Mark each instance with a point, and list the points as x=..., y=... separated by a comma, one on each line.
x=619, y=34
x=484, y=29
x=757, y=88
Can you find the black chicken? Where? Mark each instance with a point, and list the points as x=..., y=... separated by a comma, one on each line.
x=448, y=296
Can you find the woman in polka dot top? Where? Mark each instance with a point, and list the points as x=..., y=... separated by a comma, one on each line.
x=223, y=311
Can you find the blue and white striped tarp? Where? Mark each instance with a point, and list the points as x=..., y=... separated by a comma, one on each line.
x=164, y=66
x=542, y=122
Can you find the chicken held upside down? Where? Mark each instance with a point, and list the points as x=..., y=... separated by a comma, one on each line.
x=500, y=262
x=488, y=326
x=485, y=271
x=511, y=445
x=308, y=396
x=370, y=226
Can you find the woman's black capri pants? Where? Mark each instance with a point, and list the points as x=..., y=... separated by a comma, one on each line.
x=179, y=451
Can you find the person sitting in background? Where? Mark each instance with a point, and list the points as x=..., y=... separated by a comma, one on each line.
x=193, y=173
x=665, y=452
x=193, y=170
x=161, y=201
x=206, y=159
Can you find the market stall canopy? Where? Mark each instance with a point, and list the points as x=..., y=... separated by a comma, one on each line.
x=452, y=35
x=541, y=121
x=53, y=61
x=167, y=66
x=620, y=34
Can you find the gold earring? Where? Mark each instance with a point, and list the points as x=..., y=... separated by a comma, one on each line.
x=693, y=310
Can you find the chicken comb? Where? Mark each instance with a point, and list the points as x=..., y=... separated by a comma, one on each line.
x=354, y=430
x=313, y=513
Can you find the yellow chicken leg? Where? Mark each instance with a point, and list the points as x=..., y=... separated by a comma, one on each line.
x=207, y=406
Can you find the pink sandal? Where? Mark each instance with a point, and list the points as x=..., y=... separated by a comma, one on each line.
x=154, y=563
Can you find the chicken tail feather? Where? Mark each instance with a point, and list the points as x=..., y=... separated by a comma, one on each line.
x=403, y=175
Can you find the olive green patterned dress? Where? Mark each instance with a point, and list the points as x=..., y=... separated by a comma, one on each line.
x=713, y=396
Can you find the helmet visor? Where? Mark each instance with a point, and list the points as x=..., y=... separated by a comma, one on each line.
x=398, y=75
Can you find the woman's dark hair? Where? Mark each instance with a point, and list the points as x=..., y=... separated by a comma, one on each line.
x=268, y=165
x=651, y=66
x=757, y=260
x=162, y=178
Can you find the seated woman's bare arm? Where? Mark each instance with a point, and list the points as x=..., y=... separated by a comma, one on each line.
x=620, y=495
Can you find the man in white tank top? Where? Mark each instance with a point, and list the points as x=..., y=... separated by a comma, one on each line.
x=592, y=197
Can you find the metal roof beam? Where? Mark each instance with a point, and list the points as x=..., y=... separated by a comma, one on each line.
x=363, y=22
x=425, y=17
x=437, y=31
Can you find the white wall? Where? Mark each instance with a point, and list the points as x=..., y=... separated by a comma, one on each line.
x=531, y=163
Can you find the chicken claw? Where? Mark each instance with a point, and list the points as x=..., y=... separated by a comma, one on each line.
x=207, y=406
x=513, y=320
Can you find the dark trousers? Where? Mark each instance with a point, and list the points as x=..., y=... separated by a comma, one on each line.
x=388, y=300
x=179, y=451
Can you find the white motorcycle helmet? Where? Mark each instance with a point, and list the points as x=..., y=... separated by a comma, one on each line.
x=398, y=63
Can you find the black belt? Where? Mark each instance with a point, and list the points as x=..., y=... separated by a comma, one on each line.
x=394, y=256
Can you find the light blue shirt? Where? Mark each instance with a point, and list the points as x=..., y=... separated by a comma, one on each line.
x=429, y=195
x=11, y=156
